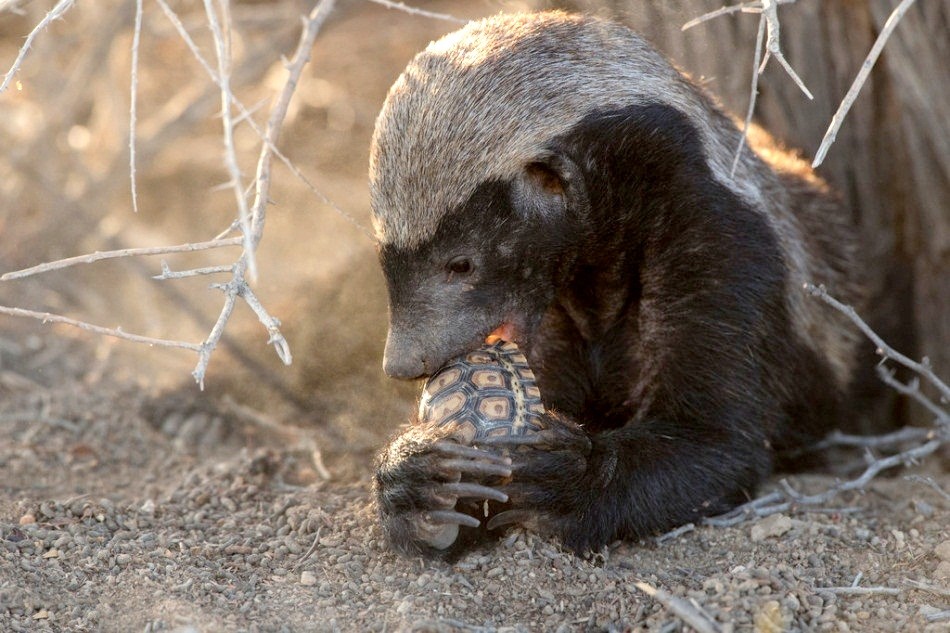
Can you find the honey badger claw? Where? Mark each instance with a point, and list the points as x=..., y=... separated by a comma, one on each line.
x=458, y=450
x=476, y=491
x=472, y=467
x=450, y=517
x=510, y=517
x=561, y=436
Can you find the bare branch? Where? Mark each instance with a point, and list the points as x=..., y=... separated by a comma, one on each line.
x=923, y=368
x=231, y=290
x=912, y=390
x=276, y=119
x=887, y=440
x=691, y=615
x=859, y=80
x=134, y=83
x=915, y=584
x=389, y=4
x=271, y=324
x=46, y=317
x=222, y=47
x=773, y=44
x=125, y=252
x=906, y=457
x=929, y=481
x=859, y=591
x=168, y=273
x=770, y=30
x=745, y=7
x=245, y=115
x=672, y=534
x=753, y=94
x=55, y=13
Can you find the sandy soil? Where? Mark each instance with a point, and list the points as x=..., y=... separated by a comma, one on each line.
x=125, y=506
x=119, y=512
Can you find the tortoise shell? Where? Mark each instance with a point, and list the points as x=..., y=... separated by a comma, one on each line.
x=488, y=392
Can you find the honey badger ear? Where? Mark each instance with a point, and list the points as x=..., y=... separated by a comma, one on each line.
x=544, y=186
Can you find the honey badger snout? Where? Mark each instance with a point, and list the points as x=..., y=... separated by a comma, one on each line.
x=404, y=357
x=418, y=347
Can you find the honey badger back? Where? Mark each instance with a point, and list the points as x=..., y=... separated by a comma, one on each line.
x=554, y=176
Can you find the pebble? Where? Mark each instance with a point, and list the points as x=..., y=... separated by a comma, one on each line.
x=943, y=551
x=27, y=519
x=771, y=526
x=308, y=579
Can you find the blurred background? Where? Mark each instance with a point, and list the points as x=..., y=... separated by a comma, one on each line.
x=64, y=185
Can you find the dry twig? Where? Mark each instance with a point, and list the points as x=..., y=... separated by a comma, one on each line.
x=788, y=498
x=46, y=317
x=883, y=349
x=125, y=252
x=134, y=82
x=859, y=591
x=55, y=13
x=245, y=115
x=770, y=31
x=859, y=80
x=390, y=4
x=691, y=615
x=222, y=47
x=251, y=223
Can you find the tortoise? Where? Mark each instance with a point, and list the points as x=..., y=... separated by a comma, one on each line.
x=484, y=394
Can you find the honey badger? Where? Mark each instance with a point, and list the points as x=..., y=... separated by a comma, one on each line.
x=553, y=178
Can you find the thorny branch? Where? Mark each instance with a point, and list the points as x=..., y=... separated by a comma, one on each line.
x=883, y=349
x=246, y=116
x=770, y=28
x=692, y=615
x=859, y=80
x=769, y=17
x=390, y=4
x=926, y=441
x=251, y=223
x=54, y=14
x=125, y=252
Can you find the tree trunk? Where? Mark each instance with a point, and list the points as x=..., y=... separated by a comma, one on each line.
x=891, y=160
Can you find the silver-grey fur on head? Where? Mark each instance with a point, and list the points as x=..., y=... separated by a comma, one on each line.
x=482, y=102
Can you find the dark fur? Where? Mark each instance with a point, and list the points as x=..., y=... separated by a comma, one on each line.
x=653, y=304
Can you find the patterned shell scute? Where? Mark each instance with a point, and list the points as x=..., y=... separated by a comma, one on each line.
x=490, y=391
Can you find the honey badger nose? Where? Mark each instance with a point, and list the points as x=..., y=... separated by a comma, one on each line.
x=402, y=359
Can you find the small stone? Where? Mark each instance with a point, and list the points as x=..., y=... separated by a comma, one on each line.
x=53, y=553
x=775, y=525
x=943, y=570
x=308, y=579
x=943, y=551
x=27, y=519
x=42, y=614
x=770, y=618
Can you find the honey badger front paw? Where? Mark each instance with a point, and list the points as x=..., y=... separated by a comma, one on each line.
x=556, y=475
x=419, y=482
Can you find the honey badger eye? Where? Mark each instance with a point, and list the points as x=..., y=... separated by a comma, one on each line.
x=459, y=265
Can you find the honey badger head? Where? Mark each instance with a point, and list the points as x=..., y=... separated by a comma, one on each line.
x=483, y=198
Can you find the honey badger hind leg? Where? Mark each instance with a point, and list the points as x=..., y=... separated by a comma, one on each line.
x=423, y=486
x=632, y=482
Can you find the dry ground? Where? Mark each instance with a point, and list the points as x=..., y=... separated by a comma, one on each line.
x=117, y=514
x=127, y=507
